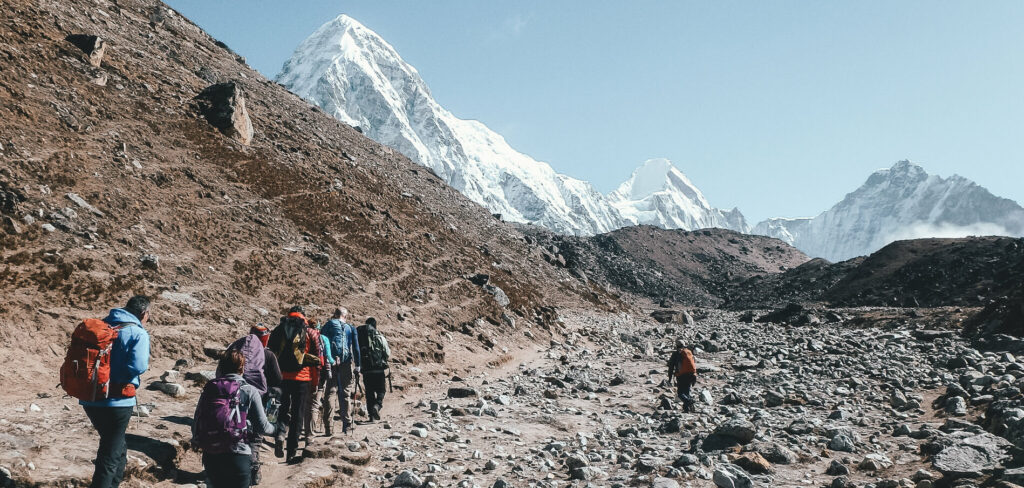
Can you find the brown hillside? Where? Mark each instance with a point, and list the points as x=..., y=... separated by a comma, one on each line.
x=222, y=233
x=698, y=267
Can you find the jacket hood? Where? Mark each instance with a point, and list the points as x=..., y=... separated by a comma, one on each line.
x=122, y=316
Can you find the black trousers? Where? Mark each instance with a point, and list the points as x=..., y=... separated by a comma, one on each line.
x=375, y=384
x=112, y=455
x=684, y=383
x=293, y=409
x=228, y=470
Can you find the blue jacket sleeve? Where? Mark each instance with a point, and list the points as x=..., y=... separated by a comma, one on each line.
x=327, y=347
x=137, y=360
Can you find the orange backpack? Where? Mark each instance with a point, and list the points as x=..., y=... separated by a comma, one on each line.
x=85, y=373
x=686, y=362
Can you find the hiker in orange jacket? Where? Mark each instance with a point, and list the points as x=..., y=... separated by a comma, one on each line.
x=298, y=354
x=683, y=368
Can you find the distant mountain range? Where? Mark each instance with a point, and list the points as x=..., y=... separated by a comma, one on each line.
x=356, y=76
x=902, y=202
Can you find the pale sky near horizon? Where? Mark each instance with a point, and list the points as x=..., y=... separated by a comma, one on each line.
x=778, y=108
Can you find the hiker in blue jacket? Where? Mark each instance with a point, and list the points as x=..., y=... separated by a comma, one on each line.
x=129, y=358
x=345, y=347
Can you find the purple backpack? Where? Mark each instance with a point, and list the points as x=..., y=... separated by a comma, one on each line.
x=220, y=418
x=251, y=347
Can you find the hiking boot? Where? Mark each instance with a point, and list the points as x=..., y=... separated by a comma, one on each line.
x=279, y=448
x=256, y=477
x=345, y=427
x=292, y=458
x=328, y=431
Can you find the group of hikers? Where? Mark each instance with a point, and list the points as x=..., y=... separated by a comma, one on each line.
x=267, y=383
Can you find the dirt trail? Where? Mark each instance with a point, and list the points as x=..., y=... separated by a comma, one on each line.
x=598, y=394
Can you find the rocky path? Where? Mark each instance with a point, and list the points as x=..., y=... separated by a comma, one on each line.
x=828, y=405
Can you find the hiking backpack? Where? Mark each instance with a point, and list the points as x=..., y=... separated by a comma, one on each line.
x=220, y=419
x=377, y=353
x=252, y=349
x=687, y=365
x=85, y=373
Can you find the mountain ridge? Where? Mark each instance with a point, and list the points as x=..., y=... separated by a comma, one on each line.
x=356, y=76
x=899, y=203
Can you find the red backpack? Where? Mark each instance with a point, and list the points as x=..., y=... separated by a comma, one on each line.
x=686, y=362
x=85, y=373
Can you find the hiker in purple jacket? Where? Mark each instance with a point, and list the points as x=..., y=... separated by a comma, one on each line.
x=230, y=414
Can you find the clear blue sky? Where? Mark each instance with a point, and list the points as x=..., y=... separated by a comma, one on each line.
x=780, y=108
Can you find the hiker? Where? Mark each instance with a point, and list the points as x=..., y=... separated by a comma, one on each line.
x=683, y=368
x=374, y=366
x=228, y=418
x=297, y=355
x=320, y=375
x=345, y=347
x=261, y=372
x=129, y=358
x=271, y=370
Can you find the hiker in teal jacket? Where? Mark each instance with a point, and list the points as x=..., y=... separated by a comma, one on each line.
x=129, y=358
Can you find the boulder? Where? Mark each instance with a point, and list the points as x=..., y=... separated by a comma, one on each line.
x=753, y=463
x=461, y=392
x=93, y=46
x=731, y=476
x=223, y=106
x=407, y=479
x=972, y=456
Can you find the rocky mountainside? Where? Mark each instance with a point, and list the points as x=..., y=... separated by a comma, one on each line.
x=659, y=194
x=356, y=76
x=966, y=272
x=902, y=202
x=152, y=159
x=694, y=268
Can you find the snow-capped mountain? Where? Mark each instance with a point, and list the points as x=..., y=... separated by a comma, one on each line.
x=356, y=76
x=659, y=194
x=902, y=202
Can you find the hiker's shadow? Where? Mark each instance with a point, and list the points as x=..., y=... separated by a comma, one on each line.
x=164, y=455
x=178, y=419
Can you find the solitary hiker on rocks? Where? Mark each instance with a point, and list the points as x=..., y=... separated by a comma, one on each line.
x=102, y=370
x=374, y=365
x=228, y=418
x=683, y=368
x=345, y=347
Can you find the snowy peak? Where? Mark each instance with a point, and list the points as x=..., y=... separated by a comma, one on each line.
x=659, y=175
x=901, y=202
x=660, y=194
x=360, y=79
x=354, y=75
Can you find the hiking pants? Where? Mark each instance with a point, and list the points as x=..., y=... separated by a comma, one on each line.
x=112, y=455
x=228, y=470
x=293, y=405
x=341, y=382
x=375, y=384
x=312, y=406
x=684, y=383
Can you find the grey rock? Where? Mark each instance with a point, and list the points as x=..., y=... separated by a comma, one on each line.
x=93, y=46
x=407, y=479
x=731, y=476
x=223, y=106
